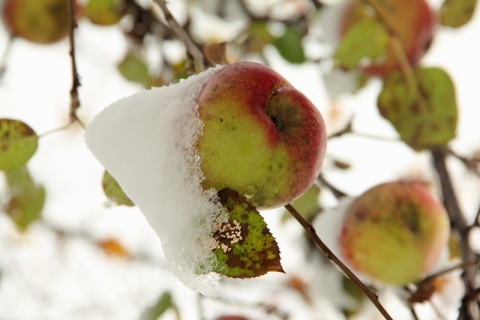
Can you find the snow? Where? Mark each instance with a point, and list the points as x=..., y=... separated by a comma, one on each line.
x=147, y=142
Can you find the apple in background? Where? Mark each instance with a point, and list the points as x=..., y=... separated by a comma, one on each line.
x=394, y=233
x=412, y=20
x=105, y=12
x=261, y=137
x=39, y=21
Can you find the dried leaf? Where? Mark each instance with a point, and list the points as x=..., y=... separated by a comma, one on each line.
x=424, y=120
x=244, y=247
x=113, y=248
x=216, y=52
x=18, y=143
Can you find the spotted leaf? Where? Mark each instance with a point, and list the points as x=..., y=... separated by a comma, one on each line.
x=244, y=247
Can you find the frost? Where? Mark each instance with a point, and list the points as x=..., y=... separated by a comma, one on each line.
x=147, y=143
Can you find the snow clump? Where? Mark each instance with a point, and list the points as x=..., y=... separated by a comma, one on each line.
x=147, y=143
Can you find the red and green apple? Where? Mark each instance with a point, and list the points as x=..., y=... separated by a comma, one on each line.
x=394, y=233
x=261, y=137
x=39, y=21
x=412, y=21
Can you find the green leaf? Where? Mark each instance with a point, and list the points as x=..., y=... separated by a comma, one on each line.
x=290, y=46
x=163, y=303
x=113, y=191
x=426, y=118
x=307, y=204
x=367, y=39
x=26, y=198
x=244, y=247
x=18, y=143
x=456, y=13
x=133, y=68
x=105, y=12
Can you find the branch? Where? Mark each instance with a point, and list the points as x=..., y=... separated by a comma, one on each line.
x=331, y=256
x=190, y=46
x=337, y=193
x=4, y=57
x=74, y=100
x=469, y=308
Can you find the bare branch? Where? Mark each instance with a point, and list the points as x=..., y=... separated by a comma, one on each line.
x=74, y=100
x=331, y=256
x=190, y=46
x=469, y=308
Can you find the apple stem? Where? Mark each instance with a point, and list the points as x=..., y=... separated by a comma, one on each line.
x=190, y=46
x=332, y=257
x=74, y=99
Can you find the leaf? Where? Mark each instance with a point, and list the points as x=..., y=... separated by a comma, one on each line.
x=18, y=143
x=163, y=303
x=258, y=36
x=105, y=12
x=307, y=204
x=427, y=118
x=133, y=68
x=113, y=191
x=290, y=46
x=26, y=198
x=113, y=248
x=456, y=13
x=367, y=39
x=216, y=52
x=244, y=247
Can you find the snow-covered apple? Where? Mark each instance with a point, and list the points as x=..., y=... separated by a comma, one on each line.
x=412, y=20
x=39, y=21
x=261, y=136
x=394, y=233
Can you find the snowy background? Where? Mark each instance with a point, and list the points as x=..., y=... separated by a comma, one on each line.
x=58, y=270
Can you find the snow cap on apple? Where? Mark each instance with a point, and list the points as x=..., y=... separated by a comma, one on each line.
x=172, y=149
x=394, y=233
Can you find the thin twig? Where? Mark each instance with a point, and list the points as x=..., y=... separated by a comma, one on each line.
x=4, y=57
x=74, y=100
x=190, y=46
x=331, y=256
x=469, y=308
x=337, y=193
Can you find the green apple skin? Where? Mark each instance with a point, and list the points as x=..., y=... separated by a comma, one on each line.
x=261, y=137
x=39, y=21
x=394, y=233
x=412, y=20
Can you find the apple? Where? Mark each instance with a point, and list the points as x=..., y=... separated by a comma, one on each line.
x=394, y=233
x=261, y=137
x=105, y=12
x=412, y=20
x=39, y=21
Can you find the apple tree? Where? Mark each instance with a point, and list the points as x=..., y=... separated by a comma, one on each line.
x=299, y=159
